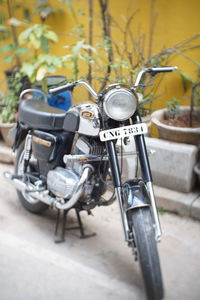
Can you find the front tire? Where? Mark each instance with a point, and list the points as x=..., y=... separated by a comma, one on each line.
x=147, y=252
x=29, y=202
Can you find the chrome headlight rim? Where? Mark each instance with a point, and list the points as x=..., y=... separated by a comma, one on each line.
x=133, y=102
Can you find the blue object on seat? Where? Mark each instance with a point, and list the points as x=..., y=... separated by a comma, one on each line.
x=61, y=101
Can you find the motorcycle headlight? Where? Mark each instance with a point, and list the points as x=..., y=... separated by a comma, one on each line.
x=120, y=104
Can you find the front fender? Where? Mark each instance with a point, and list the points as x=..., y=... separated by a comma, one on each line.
x=135, y=194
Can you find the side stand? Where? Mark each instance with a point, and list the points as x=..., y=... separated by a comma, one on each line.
x=61, y=222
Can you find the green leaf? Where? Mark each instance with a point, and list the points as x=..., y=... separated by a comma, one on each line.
x=9, y=59
x=51, y=35
x=28, y=69
x=50, y=60
x=81, y=12
x=25, y=35
x=186, y=81
x=41, y=72
x=22, y=50
x=45, y=44
x=67, y=57
x=3, y=28
x=45, y=12
x=51, y=69
x=34, y=41
x=38, y=30
x=6, y=48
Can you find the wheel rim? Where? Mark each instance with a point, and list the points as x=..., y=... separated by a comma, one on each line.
x=20, y=171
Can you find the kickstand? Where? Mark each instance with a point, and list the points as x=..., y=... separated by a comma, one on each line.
x=61, y=227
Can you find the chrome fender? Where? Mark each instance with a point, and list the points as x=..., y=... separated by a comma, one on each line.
x=135, y=194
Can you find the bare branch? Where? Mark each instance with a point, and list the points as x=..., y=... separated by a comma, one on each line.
x=90, y=42
x=106, y=20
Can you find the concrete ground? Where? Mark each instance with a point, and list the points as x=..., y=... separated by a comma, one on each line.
x=33, y=267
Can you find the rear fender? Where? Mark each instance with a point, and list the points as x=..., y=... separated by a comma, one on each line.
x=135, y=194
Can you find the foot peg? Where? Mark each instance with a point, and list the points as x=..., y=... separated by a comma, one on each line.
x=10, y=176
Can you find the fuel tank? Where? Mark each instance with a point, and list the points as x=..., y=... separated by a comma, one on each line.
x=84, y=119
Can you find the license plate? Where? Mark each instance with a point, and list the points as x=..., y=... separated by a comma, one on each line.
x=121, y=132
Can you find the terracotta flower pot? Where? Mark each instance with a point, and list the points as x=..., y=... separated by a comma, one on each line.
x=5, y=128
x=185, y=135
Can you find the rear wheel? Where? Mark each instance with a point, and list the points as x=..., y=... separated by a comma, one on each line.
x=29, y=202
x=147, y=252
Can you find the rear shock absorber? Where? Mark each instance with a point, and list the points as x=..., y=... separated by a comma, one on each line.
x=27, y=152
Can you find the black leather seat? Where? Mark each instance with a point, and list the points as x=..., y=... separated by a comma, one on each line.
x=39, y=115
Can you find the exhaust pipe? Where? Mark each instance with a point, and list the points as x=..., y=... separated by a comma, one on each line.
x=19, y=184
x=43, y=196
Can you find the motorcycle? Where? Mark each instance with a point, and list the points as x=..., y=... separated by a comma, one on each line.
x=64, y=161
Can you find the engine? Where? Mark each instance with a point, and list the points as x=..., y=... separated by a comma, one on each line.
x=62, y=182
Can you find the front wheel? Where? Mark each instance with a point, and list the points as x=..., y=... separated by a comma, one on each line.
x=147, y=252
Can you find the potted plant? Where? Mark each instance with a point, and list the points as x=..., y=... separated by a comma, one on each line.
x=8, y=115
x=9, y=107
x=180, y=123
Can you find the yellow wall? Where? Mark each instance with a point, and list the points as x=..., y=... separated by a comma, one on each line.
x=176, y=20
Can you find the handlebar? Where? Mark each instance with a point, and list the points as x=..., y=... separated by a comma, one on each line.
x=70, y=86
x=162, y=69
x=153, y=72
x=63, y=88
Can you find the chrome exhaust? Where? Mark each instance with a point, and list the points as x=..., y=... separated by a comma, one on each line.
x=43, y=196
x=18, y=184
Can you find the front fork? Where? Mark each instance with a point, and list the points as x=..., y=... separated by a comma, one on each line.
x=146, y=174
x=114, y=165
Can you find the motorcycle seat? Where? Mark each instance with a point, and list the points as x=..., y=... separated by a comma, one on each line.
x=38, y=114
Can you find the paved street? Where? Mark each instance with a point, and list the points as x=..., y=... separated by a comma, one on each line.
x=33, y=267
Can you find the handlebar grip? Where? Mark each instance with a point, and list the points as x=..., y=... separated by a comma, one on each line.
x=63, y=88
x=162, y=69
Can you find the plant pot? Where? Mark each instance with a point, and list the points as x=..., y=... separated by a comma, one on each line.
x=197, y=171
x=5, y=128
x=185, y=135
